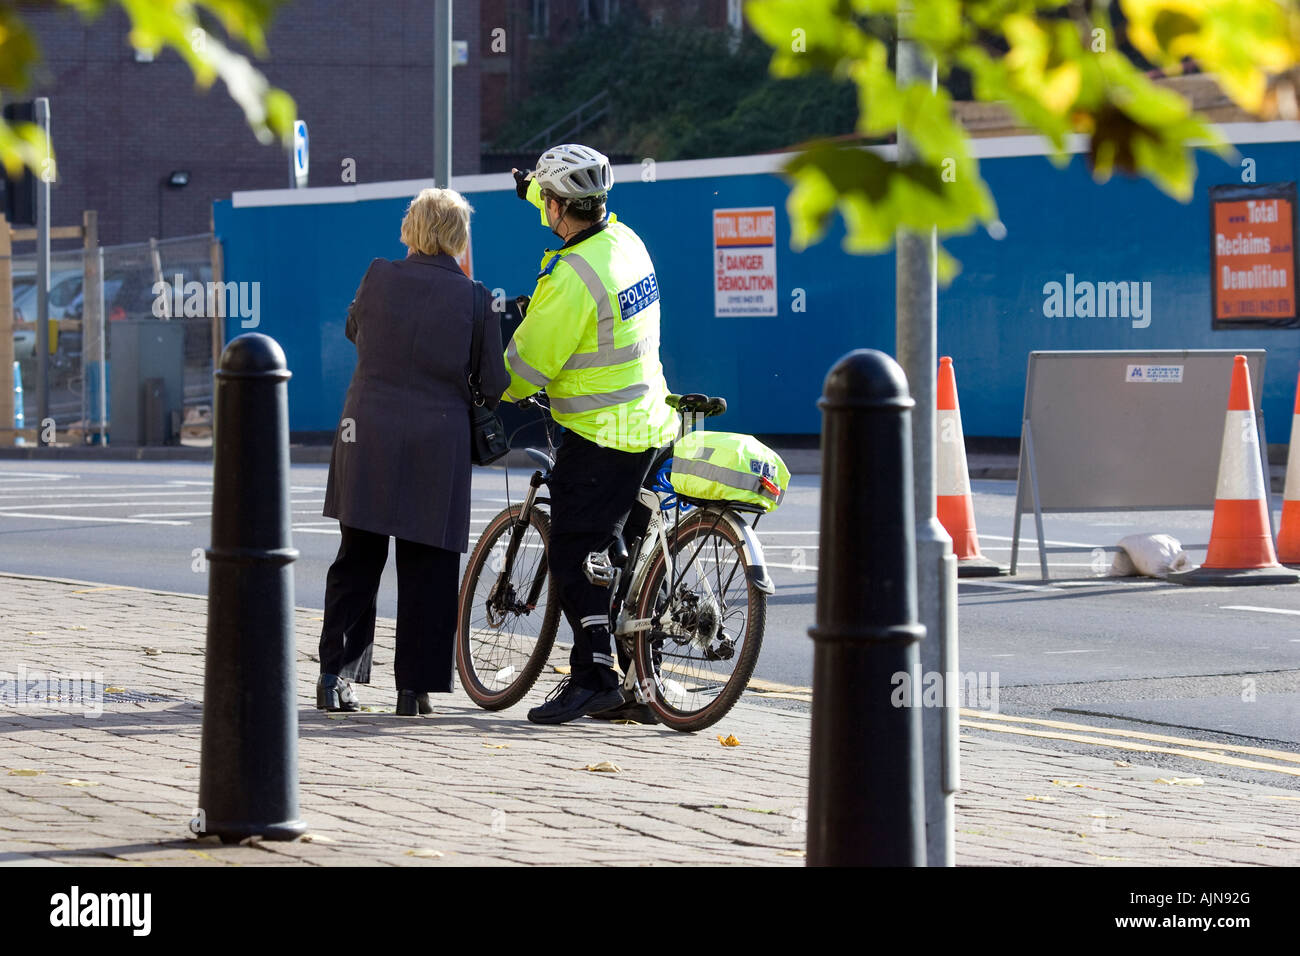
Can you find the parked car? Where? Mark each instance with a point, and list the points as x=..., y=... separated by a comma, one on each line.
x=24, y=345
x=65, y=288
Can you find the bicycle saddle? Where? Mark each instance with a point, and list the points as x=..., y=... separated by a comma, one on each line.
x=694, y=403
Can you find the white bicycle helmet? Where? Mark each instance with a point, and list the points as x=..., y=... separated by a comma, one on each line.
x=573, y=172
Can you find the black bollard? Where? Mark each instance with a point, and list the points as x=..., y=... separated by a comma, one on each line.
x=865, y=805
x=248, y=774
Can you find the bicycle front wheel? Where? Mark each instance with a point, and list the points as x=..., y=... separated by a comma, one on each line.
x=698, y=660
x=508, y=614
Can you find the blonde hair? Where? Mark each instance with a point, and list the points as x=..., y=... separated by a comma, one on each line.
x=437, y=220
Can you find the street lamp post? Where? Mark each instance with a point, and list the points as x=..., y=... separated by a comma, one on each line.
x=442, y=93
x=936, y=566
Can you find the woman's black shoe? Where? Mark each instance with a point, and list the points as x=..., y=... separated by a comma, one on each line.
x=409, y=703
x=334, y=693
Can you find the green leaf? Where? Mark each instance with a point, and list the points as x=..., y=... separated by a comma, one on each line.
x=877, y=197
x=23, y=144
x=18, y=51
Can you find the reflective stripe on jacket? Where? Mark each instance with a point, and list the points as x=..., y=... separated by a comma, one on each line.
x=729, y=466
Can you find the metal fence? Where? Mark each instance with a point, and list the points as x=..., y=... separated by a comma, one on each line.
x=108, y=342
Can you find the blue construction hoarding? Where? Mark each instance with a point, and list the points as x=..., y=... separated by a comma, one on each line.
x=1081, y=266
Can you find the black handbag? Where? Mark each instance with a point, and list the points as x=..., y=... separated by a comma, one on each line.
x=487, y=436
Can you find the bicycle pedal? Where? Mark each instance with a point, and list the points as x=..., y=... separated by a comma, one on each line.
x=597, y=569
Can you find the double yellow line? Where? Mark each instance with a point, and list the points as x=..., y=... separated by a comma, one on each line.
x=1116, y=739
x=1228, y=755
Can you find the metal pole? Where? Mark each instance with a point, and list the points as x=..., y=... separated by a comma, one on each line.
x=43, y=278
x=215, y=256
x=8, y=399
x=92, y=329
x=864, y=789
x=442, y=93
x=103, y=354
x=248, y=771
x=936, y=566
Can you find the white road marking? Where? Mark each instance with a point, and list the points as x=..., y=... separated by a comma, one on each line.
x=47, y=475
x=317, y=530
x=991, y=583
x=1058, y=585
x=124, y=494
x=791, y=567
x=1089, y=651
x=1033, y=542
x=97, y=519
x=39, y=488
x=177, y=514
x=1007, y=547
x=1251, y=607
x=1108, y=582
x=92, y=504
x=182, y=514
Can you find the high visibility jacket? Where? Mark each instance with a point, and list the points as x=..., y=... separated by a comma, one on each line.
x=591, y=339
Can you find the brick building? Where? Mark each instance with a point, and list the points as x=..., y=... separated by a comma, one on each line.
x=361, y=74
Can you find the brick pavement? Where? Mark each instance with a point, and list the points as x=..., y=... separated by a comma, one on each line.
x=469, y=787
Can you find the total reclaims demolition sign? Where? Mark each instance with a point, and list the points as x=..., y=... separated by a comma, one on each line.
x=744, y=261
x=1253, y=255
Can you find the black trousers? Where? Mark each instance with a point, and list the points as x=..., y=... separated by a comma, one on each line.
x=593, y=489
x=427, y=588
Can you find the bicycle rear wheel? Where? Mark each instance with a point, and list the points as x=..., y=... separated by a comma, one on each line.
x=508, y=617
x=699, y=659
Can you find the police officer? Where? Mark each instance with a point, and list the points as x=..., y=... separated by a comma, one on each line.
x=590, y=337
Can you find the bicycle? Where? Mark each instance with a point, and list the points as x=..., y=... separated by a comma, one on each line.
x=690, y=623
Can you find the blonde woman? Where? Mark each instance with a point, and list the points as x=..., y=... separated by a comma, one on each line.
x=400, y=467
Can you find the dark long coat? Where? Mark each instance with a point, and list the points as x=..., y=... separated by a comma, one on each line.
x=401, y=459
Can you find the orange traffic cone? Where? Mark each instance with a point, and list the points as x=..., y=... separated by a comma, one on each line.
x=1241, y=545
x=1288, y=534
x=952, y=481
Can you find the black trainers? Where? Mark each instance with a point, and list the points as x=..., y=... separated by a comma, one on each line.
x=569, y=702
x=628, y=710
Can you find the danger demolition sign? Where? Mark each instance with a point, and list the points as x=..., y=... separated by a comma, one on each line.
x=1253, y=256
x=744, y=261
